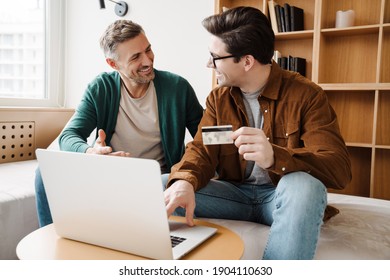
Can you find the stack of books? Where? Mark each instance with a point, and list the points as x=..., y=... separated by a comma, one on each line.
x=296, y=64
x=285, y=18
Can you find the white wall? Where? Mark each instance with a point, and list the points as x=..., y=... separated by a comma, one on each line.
x=173, y=27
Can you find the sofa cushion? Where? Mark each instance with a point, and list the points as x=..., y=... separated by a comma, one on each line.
x=17, y=205
x=359, y=232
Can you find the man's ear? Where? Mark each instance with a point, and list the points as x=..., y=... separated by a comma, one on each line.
x=112, y=63
x=249, y=60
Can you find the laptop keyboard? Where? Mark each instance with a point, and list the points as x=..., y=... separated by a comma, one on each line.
x=176, y=240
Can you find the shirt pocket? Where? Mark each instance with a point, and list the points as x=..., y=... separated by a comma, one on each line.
x=287, y=135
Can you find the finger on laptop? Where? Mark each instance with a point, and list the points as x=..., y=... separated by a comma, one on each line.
x=190, y=214
x=181, y=194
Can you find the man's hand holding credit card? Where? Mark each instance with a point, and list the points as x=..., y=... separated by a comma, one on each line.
x=217, y=135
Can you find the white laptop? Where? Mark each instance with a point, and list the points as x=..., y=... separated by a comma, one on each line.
x=114, y=202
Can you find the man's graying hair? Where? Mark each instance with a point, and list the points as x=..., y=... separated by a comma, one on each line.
x=244, y=30
x=116, y=33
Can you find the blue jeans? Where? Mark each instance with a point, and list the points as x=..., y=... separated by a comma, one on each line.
x=294, y=210
x=43, y=210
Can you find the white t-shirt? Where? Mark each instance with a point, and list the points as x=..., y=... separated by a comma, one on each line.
x=137, y=129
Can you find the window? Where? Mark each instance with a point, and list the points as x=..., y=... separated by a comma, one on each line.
x=31, y=52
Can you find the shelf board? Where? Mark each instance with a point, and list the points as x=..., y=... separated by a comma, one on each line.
x=385, y=147
x=356, y=86
x=354, y=30
x=293, y=35
x=365, y=145
x=358, y=145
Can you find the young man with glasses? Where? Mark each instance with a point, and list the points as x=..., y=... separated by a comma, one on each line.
x=137, y=110
x=287, y=145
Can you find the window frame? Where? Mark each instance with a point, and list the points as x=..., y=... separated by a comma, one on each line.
x=53, y=60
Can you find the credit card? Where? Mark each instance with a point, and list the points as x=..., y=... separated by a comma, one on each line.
x=217, y=135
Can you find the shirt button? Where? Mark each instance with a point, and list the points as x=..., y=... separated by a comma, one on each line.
x=286, y=134
x=266, y=111
x=268, y=138
x=283, y=169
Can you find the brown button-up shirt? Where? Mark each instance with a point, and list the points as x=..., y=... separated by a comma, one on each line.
x=298, y=121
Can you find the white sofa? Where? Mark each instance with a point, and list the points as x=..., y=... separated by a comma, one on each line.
x=360, y=231
x=18, y=215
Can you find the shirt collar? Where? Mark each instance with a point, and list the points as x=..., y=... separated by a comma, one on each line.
x=271, y=89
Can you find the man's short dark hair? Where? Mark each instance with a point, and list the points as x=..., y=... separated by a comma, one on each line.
x=244, y=30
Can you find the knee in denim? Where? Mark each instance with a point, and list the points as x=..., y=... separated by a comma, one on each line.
x=301, y=186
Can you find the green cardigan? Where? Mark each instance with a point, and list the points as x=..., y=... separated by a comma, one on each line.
x=178, y=109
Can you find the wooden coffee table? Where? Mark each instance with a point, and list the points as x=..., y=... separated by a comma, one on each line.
x=45, y=244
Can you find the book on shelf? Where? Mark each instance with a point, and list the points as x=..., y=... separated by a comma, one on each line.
x=278, y=18
x=296, y=64
x=277, y=55
x=282, y=61
x=287, y=18
x=282, y=18
x=296, y=18
x=290, y=62
x=299, y=65
x=272, y=16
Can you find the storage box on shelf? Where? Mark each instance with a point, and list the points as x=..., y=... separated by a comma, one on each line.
x=352, y=65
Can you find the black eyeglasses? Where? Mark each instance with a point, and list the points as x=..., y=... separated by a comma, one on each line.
x=222, y=57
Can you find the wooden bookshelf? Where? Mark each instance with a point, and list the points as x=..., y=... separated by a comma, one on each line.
x=352, y=65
